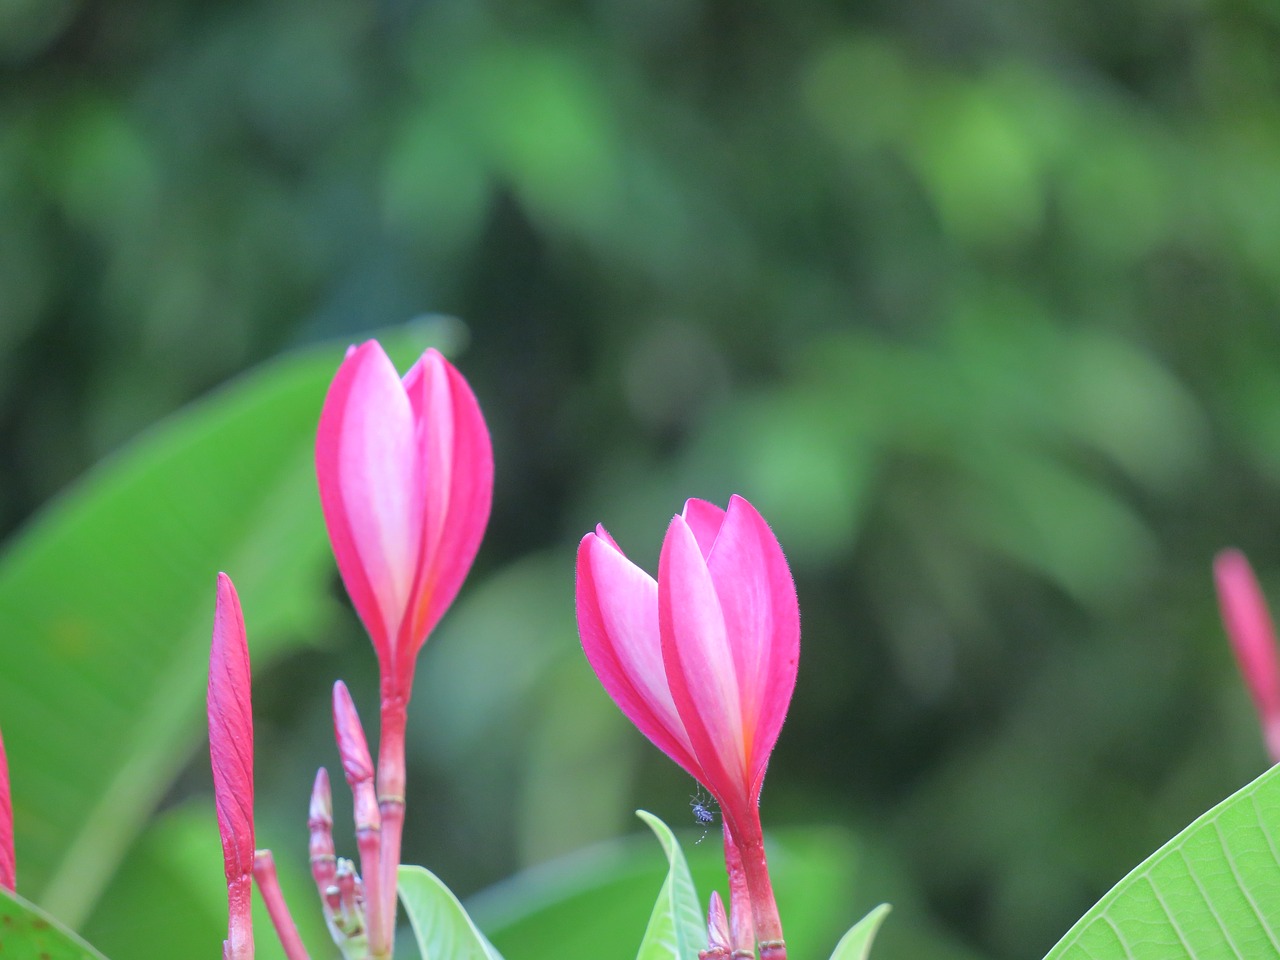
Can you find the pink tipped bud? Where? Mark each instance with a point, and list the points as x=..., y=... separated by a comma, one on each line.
x=231, y=756
x=320, y=825
x=8, y=865
x=1253, y=639
x=718, y=946
x=358, y=767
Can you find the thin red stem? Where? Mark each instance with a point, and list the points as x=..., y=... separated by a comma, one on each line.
x=264, y=871
x=239, y=942
x=358, y=767
x=742, y=936
x=391, y=784
x=749, y=840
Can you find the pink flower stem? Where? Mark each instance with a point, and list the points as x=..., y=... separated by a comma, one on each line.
x=358, y=767
x=239, y=942
x=742, y=935
x=264, y=871
x=764, y=909
x=369, y=842
x=391, y=783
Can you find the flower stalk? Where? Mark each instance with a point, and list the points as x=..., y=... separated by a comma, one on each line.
x=357, y=765
x=264, y=872
x=742, y=935
x=390, y=795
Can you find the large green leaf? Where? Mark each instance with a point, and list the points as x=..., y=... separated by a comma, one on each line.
x=440, y=924
x=27, y=931
x=677, y=930
x=856, y=944
x=106, y=601
x=1212, y=891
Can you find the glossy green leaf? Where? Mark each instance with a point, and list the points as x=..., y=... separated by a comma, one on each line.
x=106, y=601
x=440, y=924
x=856, y=944
x=677, y=930
x=1212, y=891
x=27, y=931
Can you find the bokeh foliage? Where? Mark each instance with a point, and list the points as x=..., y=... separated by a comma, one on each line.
x=977, y=303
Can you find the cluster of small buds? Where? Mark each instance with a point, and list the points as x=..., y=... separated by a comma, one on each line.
x=341, y=890
x=344, y=911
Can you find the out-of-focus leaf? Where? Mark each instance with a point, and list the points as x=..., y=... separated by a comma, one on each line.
x=170, y=890
x=27, y=931
x=856, y=944
x=106, y=603
x=1211, y=891
x=676, y=929
x=440, y=924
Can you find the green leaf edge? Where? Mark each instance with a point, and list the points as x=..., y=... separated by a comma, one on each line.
x=675, y=915
x=419, y=882
x=856, y=943
x=73, y=941
x=1268, y=781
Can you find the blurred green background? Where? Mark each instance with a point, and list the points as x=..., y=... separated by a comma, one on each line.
x=976, y=302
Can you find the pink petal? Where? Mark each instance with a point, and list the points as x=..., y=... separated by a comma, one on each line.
x=8, y=864
x=1253, y=638
x=704, y=519
x=456, y=454
x=617, y=605
x=762, y=618
x=231, y=756
x=699, y=663
x=370, y=480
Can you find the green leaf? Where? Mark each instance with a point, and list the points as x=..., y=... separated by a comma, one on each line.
x=441, y=926
x=106, y=599
x=1212, y=891
x=677, y=930
x=856, y=944
x=27, y=931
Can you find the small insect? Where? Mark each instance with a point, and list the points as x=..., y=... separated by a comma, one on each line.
x=702, y=813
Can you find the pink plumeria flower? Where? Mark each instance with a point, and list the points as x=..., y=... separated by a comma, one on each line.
x=703, y=661
x=8, y=864
x=405, y=469
x=231, y=755
x=1253, y=638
